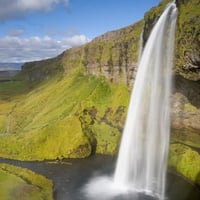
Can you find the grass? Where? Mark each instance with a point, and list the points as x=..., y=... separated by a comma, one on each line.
x=107, y=138
x=23, y=184
x=186, y=161
x=45, y=122
x=10, y=89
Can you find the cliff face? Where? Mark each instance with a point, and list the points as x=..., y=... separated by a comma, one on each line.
x=40, y=70
x=113, y=55
x=188, y=40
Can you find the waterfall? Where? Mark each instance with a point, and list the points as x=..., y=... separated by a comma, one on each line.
x=143, y=154
x=142, y=160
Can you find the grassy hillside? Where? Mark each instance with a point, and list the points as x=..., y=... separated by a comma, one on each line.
x=61, y=117
x=23, y=184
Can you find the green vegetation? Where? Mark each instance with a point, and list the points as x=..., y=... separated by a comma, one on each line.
x=46, y=122
x=23, y=184
x=186, y=161
x=189, y=107
x=184, y=154
x=9, y=90
x=187, y=35
x=108, y=138
x=188, y=39
x=106, y=52
x=189, y=138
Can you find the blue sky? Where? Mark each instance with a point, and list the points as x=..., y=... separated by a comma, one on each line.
x=39, y=29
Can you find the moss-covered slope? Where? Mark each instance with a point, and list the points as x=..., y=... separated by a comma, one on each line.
x=62, y=117
x=188, y=40
x=23, y=184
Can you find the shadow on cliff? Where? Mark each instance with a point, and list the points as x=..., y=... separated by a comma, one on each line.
x=188, y=88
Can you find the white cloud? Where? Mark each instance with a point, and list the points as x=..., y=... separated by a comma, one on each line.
x=16, y=49
x=13, y=8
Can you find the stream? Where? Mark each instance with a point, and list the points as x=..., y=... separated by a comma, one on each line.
x=70, y=175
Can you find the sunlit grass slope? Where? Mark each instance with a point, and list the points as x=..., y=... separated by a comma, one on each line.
x=62, y=117
x=186, y=161
x=23, y=184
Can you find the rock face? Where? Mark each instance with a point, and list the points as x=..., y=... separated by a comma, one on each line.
x=113, y=55
x=186, y=104
x=40, y=70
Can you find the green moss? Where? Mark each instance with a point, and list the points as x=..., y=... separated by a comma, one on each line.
x=3, y=121
x=45, y=123
x=58, y=140
x=108, y=51
x=186, y=161
x=190, y=107
x=107, y=138
x=186, y=137
x=11, y=89
x=187, y=37
x=19, y=183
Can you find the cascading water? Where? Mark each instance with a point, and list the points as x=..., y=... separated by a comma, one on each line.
x=143, y=152
x=142, y=160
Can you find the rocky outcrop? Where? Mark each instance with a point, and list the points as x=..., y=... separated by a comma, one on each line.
x=186, y=104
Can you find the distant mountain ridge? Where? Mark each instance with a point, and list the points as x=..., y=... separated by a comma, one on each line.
x=8, y=75
x=9, y=70
x=10, y=66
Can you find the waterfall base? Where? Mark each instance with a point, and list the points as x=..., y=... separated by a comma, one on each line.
x=104, y=188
